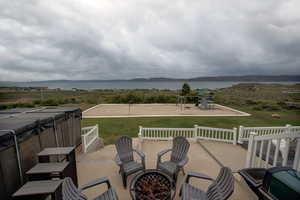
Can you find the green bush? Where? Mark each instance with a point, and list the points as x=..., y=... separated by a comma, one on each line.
x=50, y=102
x=251, y=102
x=3, y=106
x=73, y=100
x=37, y=102
x=25, y=105
x=16, y=105
x=150, y=99
x=258, y=108
x=267, y=106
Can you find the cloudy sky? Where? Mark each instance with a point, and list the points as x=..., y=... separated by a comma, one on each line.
x=120, y=39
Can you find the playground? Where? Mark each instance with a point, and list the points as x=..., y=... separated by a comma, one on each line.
x=156, y=110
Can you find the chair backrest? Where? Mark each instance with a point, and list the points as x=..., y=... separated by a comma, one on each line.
x=70, y=191
x=180, y=149
x=124, y=149
x=223, y=186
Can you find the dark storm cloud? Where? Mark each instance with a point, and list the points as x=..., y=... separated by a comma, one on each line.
x=113, y=39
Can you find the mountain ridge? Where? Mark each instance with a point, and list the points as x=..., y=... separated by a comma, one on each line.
x=250, y=78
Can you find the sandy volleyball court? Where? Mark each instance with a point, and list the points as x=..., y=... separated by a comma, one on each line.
x=153, y=110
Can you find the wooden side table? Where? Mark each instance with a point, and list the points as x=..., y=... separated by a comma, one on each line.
x=47, y=171
x=68, y=152
x=39, y=190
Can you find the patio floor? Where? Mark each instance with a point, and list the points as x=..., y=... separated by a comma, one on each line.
x=206, y=157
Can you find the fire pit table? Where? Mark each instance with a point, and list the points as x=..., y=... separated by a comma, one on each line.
x=152, y=184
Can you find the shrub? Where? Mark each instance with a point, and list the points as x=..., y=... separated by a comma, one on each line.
x=150, y=99
x=25, y=105
x=3, y=106
x=73, y=100
x=267, y=106
x=250, y=102
x=273, y=107
x=50, y=102
x=258, y=107
x=37, y=102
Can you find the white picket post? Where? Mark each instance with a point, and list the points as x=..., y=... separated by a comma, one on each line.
x=140, y=131
x=83, y=143
x=241, y=129
x=296, y=164
x=288, y=128
x=250, y=150
x=234, y=135
x=195, y=130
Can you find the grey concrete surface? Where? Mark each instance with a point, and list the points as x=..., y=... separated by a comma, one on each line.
x=100, y=163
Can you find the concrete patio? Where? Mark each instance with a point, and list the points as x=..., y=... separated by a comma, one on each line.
x=205, y=157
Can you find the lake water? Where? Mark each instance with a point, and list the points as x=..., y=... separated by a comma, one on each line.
x=88, y=85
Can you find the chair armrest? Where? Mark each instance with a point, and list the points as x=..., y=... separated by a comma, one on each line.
x=141, y=154
x=183, y=162
x=160, y=154
x=96, y=182
x=197, y=175
x=117, y=160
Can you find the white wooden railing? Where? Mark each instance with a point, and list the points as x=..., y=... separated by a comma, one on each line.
x=89, y=135
x=198, y=132
x=244, y=132
x=216, y=134
x=281, y=141
x=165, y=133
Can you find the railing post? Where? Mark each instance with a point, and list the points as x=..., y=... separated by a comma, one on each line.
x=140, y=132
x=97, y=129
x=288, y=128
x=296, y=164
x=250, y=150
x=287, y=146
x=234, y=135
x=241, y=129
x=83, y=143
x=195, y=131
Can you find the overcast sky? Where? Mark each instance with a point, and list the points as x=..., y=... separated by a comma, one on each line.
x=120, y=39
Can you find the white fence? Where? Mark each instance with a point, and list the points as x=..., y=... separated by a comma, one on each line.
x=262, y=145
x=89, y=135
x=198, y=132
x=216, y=134
x=244, y=132
x=165, y=133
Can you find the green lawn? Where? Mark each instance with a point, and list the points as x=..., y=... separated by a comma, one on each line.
x=111, y=128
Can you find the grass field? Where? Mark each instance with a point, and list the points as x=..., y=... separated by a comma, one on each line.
x=260, y=100
x=112, y=128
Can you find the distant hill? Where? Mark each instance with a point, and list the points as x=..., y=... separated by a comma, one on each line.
x=248, y=78
x=252, y=78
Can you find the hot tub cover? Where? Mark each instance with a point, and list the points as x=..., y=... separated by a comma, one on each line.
x=24, y=125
